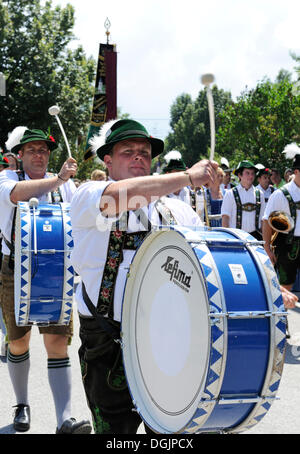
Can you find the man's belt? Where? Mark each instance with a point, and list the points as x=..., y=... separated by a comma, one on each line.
x=249, y=207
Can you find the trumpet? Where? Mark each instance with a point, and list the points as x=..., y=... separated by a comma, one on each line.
x=281, y=222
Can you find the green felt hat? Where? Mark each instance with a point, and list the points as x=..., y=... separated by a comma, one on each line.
x=33, y=135
x=122, y=130
x=244, y=165
x=4, y=161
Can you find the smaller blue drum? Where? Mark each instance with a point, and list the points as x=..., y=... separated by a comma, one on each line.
x=203, y=331
x=44, y=276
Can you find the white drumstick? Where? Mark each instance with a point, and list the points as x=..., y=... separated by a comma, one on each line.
x=33, y=203
x=54, y=111
x=206, y=80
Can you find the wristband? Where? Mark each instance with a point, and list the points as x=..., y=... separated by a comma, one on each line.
x=61, y=178
x=187, y=173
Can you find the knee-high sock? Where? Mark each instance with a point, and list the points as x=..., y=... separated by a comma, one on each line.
x=59, y=375
x=18, y=367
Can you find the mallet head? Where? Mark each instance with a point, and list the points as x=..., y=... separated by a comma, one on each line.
x=207, y=79
x=33, y=202
x=54, y=110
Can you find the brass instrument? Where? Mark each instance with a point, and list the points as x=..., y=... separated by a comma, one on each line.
x=281, y=222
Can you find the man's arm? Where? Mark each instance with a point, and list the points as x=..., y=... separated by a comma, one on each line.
x=24, y=190
x=134, y=193
x=267, y=232
x=225, y=220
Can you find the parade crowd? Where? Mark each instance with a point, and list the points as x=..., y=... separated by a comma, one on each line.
x=206, y=193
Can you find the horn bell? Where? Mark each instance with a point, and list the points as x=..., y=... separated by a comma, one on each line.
x=281, y=222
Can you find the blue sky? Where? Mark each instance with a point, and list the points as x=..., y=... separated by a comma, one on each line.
x=165, y=45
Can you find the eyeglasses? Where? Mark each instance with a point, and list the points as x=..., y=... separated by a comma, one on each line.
x=35, y=152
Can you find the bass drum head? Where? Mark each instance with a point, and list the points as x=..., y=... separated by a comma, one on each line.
x=165, y=331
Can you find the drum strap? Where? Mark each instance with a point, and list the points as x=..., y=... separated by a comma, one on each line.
x=119, y=240
x=246, y=207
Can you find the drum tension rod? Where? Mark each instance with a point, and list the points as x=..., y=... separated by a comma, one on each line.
x=246, y=400
x=250, y=314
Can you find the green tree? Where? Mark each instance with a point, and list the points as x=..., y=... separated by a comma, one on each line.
x=41, y=71
x=261, y=123
x=190, y=124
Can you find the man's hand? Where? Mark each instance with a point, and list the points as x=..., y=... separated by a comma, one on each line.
x=68, y=170
x=203, y=172
x=270, y=252
x=289, y=298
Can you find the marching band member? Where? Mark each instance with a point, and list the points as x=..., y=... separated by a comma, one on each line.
x=243, y=206
x=226, y=184
x=34, y=147
x=286, y=256
x=4, y=164
x=276, y=179
x=263, y=177
x=214, y=198
x=109, y=221
x=175, y=163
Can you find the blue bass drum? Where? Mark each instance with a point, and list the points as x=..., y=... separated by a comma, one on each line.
x=44, y=276
x=203, y=331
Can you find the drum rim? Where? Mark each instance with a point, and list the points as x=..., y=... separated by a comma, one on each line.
x=23, y=213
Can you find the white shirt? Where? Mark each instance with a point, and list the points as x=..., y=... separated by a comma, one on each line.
x=225, y=187
x=183, y=195
x=8, y=180
x=266, y=192
x=248, y=218
x=278, y=202
x=91, y=232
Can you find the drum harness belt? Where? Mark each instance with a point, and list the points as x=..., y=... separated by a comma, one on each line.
x=56, y=197
x=246, y=207
x=119, y=239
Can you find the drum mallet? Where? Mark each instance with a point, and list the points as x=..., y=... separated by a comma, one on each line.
x=33, y=203
x=207, y=79
x=54, y=111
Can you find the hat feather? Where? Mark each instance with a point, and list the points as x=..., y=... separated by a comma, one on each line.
x=15, y=137
x=291, y=150
x=99, y=139
x=173, y=155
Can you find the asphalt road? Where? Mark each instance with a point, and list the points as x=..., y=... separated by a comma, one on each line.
x=282, y=418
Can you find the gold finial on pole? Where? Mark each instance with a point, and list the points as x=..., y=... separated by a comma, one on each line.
x=107, y=25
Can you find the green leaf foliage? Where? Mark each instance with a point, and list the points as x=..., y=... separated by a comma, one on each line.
x=190, y=124
x=41, y=70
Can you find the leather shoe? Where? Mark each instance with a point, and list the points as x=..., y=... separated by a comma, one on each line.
x=71, y=426
x=22, y=418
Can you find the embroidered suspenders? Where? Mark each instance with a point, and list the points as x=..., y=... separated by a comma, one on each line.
x=294, y=206
x=246, y=207
x=119, y=239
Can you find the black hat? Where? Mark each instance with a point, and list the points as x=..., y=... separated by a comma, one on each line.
x=174, y=162
x=265, y=171
x=292, y=151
